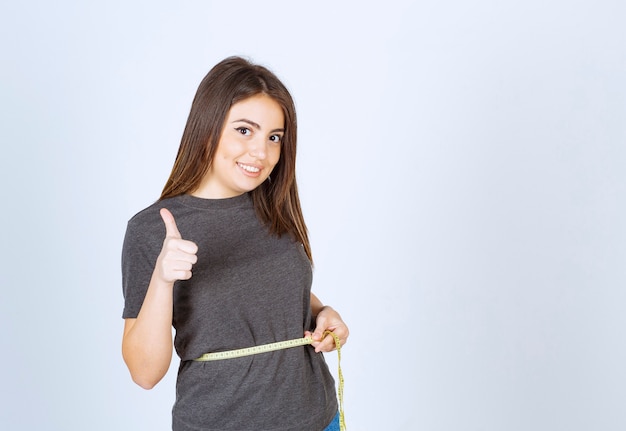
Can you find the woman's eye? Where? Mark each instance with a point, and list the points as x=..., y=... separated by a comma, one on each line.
x=244, y=131
x=276, y=138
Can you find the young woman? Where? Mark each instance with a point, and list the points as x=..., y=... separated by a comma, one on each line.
x=224, y=257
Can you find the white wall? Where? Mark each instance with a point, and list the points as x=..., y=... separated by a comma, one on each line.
x=462, y=170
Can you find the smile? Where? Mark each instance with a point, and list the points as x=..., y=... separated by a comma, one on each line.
x=248, y=168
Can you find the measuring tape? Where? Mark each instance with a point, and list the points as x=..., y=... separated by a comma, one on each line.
x=264, y=348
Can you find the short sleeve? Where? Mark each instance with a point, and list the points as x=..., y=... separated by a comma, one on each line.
x=141, y=248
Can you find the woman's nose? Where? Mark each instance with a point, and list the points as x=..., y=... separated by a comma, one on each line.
x=258, y=149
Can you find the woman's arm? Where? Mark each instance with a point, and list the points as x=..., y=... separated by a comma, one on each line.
x=326, y=319
x=147, y=339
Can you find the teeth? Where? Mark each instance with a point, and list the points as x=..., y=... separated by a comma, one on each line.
x=248, y=168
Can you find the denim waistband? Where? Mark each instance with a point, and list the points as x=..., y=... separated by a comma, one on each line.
x=334, y=425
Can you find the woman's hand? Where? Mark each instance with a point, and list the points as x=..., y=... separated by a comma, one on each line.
x=177, y=255
x=328, y=320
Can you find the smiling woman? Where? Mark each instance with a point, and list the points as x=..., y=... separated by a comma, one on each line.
x=248, y=149
x=224, y=257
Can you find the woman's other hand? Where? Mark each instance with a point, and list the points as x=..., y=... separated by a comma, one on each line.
x=328, y=320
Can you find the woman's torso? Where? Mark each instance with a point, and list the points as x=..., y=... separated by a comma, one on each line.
x=248, y=288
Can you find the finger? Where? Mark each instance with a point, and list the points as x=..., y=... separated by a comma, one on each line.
x=189, y=248
x=318, y=334
x=181, y=260
x=182, y=275
x=171, y=230
x=176, y=266
x=315, y=343
x=326, y=345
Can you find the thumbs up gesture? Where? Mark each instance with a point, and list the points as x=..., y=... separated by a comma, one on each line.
x=177, y=255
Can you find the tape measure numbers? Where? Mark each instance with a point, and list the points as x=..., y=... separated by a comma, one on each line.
x=296, y=342
x=263, y=348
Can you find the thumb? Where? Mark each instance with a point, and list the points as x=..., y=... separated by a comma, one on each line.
x=320, y=328
x=171, y=230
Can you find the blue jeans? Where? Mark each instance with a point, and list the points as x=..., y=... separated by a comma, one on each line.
x=334, y=425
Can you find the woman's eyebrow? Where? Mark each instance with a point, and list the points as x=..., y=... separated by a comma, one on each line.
x=250, y=122
x=256, y=125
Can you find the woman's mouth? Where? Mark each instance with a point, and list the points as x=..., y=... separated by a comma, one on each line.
x=249, y=168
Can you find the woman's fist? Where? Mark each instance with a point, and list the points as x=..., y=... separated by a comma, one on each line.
x=177, y=255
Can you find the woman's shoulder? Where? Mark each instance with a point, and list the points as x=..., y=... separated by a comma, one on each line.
x=149, y=217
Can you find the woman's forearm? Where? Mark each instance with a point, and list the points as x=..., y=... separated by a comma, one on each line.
x=316, y=305
x=147, y=341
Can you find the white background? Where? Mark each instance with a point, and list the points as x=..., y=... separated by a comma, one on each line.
x=462, y=168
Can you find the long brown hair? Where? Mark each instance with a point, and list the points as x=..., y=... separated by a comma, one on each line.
x=234, y=79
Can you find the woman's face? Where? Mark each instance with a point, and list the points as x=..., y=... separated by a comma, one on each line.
x=248, y=149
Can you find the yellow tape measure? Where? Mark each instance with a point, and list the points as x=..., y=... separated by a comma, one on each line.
x=264, y=348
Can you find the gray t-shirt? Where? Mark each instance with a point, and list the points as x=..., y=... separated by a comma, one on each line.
x=248, y=288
